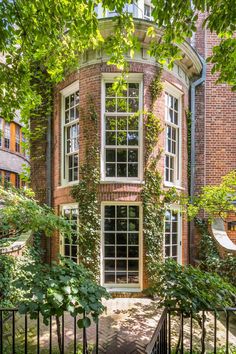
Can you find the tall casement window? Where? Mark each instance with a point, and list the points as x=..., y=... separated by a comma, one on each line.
x=172, y=237
x=172, y=138
x=7, y=135
x=69, y=246
x=17, y=142
x=122, y=131
x=121, y=253
x=70, y=143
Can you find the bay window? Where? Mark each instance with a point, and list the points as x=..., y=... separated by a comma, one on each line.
x=121, y=254
x=70, y=136
x=172, y=139
x=122, y=132
x=69, y=246
x=172, y=235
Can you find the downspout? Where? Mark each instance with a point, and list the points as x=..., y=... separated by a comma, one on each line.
x=49, y=177
x=194, y=84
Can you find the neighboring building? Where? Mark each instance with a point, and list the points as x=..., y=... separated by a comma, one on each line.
x=12, y=154
x=122, y=146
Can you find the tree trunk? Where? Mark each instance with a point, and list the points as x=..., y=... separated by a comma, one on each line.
x=59, y=338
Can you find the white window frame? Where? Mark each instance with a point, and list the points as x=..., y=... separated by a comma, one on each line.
x=7, y=134
x=127, y=287
x=147, y=3
x=176, y=93
x=64, y=161
x=62, y=238
x=177, y=209
x=133, y=78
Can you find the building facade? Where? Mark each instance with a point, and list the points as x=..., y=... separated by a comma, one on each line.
x=122, y=143
x=12, y=153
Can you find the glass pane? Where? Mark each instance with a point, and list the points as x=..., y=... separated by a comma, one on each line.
x=167, y=227
x=133, y=265
x=121, y=265
x=121, y=278
x=167, y=251
x=167, y=239
x=72, y=100
x=133, y=278
x=121, y=123
x=121, y=251
x=109, y=224
x=109, y=90
x=110, y=155
x=133, y=239
x=121, y=105
x=133, y=251
x=174, y=227
x=133, y=138
x=67, y=102
x=121, y=170
x=110, y=251
x=110, y=138
x=110, y=211
x=110, y=170
x=133, y=90
x=77, y=97
x=109, y=278
x=133, y=211
x=174, y=251
x=67, y=250
x=67, y=116
x=132, y=170
x=121, y=238
x=122, y=211
x=109, y=239
x=121, y=155
x=110, y=105
x=133, y=122
x=121, y=224
x=133, y=224
x=133, y=104
x=121, y=138
x=133, y=155
x=74, y=251
x=110, y=123
x=110, y=264
x=174, y=239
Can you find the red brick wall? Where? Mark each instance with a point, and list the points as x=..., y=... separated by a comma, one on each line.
x=90, y=86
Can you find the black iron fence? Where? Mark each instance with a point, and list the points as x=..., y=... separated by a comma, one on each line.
x=178, y=333
x=21, y=335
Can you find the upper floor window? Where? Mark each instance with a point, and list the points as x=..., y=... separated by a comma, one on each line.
x=122, y=132
x=69, y=246
x=172, y=240
x=148, y=12
x=17, y=142
x=71, y=137
x=172, y=139
x=7, y=135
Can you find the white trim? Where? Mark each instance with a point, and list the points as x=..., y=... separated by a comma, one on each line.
x=64, y=93
x=61, y=239
x=177, y=208
x=126, y=287
x=131, y=77
x=178, y=94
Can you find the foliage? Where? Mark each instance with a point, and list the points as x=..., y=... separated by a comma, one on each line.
x=210, y=260
x=86, y=194
x=190, y=289
x=156, y=86
x=22, y=213
x=215, y=200
x=7, y=268
x=66, y=286
x=153, y=196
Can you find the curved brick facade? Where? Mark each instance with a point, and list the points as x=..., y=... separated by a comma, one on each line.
x=90, y=78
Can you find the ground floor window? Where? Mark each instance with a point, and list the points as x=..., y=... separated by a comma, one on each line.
x=121, y=245
x=172, y=237
x=69, y=246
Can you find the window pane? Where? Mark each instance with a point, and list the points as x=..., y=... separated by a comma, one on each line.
x=110, y=155
x=122, y=211
x=109, y=238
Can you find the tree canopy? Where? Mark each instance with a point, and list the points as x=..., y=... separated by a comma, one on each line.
x=40, y=41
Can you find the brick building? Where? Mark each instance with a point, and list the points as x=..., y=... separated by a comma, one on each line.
x=12, y=153
x=122, y=145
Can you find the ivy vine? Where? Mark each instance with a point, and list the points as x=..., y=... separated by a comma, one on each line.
x=86, y=194
x=156, y=86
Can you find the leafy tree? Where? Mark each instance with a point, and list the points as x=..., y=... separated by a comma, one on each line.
x=190, y=290
x=20, y=212
x=62, y=287
x=41, y=41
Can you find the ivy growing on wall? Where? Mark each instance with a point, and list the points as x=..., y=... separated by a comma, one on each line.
x=153, y=195
x=86, y=194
